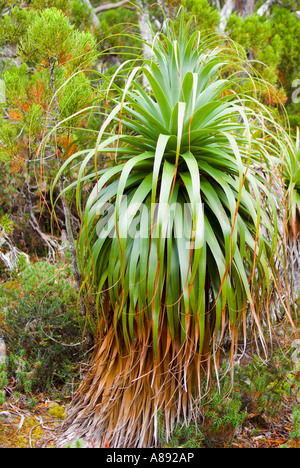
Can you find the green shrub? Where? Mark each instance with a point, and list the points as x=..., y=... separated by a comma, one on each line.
x=3, y=383
x=225, y=412
x=295, y=434
x=264, y=384
x=42, y=327
x=184, y=436
x=261, y=392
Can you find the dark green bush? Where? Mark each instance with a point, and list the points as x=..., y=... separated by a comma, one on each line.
x=43, y=330
x=3, y=383
x=41, y=338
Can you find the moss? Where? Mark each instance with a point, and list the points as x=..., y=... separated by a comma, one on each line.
x=29, y=435
x=57, y=411
x=11, y=285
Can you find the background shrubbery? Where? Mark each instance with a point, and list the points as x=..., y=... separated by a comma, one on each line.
x=43, y=331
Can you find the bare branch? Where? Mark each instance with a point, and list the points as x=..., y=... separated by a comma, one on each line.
x=264, y=8
x=225, y=14
x=110, y=6
x=95, y=19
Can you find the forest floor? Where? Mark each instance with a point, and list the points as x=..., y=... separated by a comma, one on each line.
x=269, y=408
x=260, y=410
x=25, y=427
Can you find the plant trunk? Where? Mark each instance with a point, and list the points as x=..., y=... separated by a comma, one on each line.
x=131, y=399
x=94, y=17
x=245, y=7
x=225, y=13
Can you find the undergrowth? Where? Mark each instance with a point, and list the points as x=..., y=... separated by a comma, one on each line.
x=262, y=394
x=43, y=329
x=46, y=343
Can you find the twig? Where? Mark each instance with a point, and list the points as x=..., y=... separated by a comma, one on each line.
x=41, y=424
x=58, y=342
x=21, y=423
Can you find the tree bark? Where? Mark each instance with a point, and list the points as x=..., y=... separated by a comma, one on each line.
x=109, y=6
x=245, y=7
x=145, y=30
x=265, y=7
x=2, y=351
x=225, y=15
x=95, y=19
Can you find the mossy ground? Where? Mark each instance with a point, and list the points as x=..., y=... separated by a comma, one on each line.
x=25, y=427
x=260, y=410
x=251, y=418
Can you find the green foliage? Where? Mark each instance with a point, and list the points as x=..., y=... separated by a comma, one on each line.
x=291, y=177
x=47, y=82
x=274, y=43
x=3, y=382
x=257, y=36
x=184, y=436
x=8, y=144
x=79, y=444
x=81, y=15
x=263, y=385
x=15, y=25
x=63, y=5
x=26, y=97
x=205, y=17
x=118, y=29
x=75, y=96
x=6, y=225
x=172, y=127
x=225, y=411
x=16, y=83
x=286, y=25
x=52, y=39
x=44, y=333
x=6, y=4
x=295, y=434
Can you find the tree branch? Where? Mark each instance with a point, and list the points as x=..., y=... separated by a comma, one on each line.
x=225, y=14
x=95, y=19
x=265, y=7
x=110, y=6
x=51, y=243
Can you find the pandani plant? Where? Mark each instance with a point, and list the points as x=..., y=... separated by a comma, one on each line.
x=291, y=177
x=178, y=235
x=290, y=174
